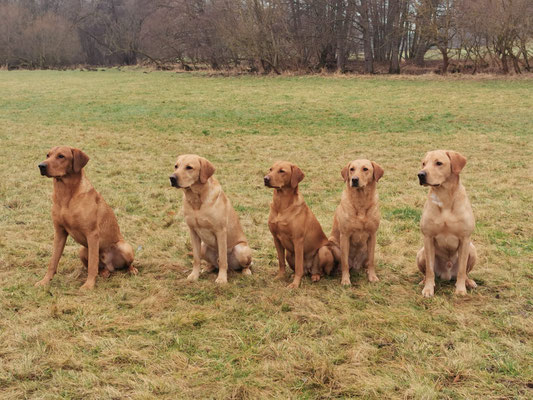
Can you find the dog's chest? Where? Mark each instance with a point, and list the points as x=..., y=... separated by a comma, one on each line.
x=280, y=223
x=359, y=224
x=282, y=228
x=203, y=223
x=72, y=220
x=444, y=221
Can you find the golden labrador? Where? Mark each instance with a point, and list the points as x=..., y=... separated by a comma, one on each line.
x=298, y=236
x=80, y=211
x=216, y=233
x=357, y=218
x=447, y=223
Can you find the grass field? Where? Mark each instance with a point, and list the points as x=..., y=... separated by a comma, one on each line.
x=155, y=335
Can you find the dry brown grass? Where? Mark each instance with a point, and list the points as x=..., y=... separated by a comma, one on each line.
x=154, y=335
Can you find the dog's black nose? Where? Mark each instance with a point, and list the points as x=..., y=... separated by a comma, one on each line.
x=42, y=168
x=266, y=179
x=355, y=182
x=422, y=177
x=173, y=181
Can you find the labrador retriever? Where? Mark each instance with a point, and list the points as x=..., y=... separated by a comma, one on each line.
x=215, y=229
x=80, y=211
x=298, y=236
x=447, y=223
x=357, y=218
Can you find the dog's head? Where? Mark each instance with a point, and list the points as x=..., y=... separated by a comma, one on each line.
x=62, y=161
x=439, y=165
x=361, y=173
x=283, y=174
x=191, y=169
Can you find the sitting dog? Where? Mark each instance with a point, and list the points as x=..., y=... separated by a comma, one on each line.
x=298, y=236
x=78, y=210
x=216, y=233
x=357, y=218
x=447, y=223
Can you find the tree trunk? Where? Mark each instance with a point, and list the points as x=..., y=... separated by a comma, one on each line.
x=505, y=65
x=367, y=39
x=419, y=54
x=523, y=49
x=445, y=60
x=342, y=33
x=341, y=36
x=394, y=37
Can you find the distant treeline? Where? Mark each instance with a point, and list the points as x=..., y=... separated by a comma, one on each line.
x=269, y=36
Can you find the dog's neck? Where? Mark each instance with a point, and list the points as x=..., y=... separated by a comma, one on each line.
x=65, y=187
x=444, y=194
x=197, y=193
x=362, y=198
x=284, y=197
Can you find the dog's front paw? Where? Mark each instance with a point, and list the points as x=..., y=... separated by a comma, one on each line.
x=428, y=291
x=294, y=285
x=221, y=280
x=280, y=275
x=315, y=277
x=132, y=270
x=193, y=276
x=42, y=282
x=460, y=290
x=373, y=277
x=471, y=284
x=89, y=285
x=246, y=271
x=104, y=273
x=345, y=281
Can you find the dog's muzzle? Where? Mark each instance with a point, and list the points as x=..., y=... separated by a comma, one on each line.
x=422, y=177
x=42, y=168
x=173, y=181
x=355, y=182
x=266, y=179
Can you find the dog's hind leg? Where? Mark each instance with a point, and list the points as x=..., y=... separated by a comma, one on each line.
x=119, y=256
x=241, y=258
x=211, y=257
x=325, y=264
x=472, y=258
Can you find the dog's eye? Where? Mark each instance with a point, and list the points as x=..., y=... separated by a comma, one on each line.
x=60, y=156
x=365, y=169
x=281, y=171
x=438, y=163
x=48, y=155
x=188, y=167
x=352, y=169
x=176, y=166
x=423, y=164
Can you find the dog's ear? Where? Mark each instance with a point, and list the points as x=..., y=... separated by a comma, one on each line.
x=458, y=161
x=79, y=160
x=378, y=171
x=344, y=172
x=296, y=176
x=206, y=170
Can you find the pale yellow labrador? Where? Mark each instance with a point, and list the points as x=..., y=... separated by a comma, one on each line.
x=447, y=223
x=216, y=232
x=357, y=218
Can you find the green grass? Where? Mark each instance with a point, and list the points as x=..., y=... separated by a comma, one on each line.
x=155, y=335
